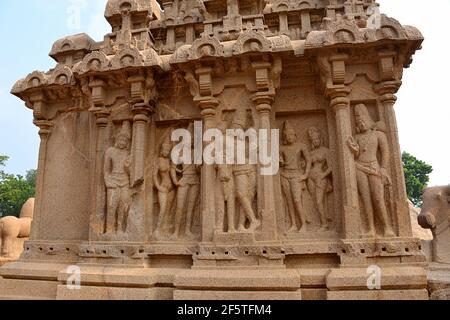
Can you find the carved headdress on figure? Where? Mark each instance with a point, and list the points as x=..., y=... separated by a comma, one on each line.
x=125, y=131
x=362, y=112
x=287, y=131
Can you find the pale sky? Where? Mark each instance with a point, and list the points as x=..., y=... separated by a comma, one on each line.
x=30, y=27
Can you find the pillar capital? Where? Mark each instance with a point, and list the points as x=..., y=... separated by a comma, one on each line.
x=37, y=102
x=142, y=111
x=388, y=89
x=98, y=87
x=338, y=96
x=208, y=105
x=263, y=101
x=45, y=127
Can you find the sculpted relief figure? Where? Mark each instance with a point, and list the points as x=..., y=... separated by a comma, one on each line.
x=117, y=181
x=292, y=177
x=188, y=190
x=227, y=194
x=372, y=174
x=319, y=183
x=245, y=179
x=163, y=182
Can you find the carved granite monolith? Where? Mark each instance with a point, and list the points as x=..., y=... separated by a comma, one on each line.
x=312, y=82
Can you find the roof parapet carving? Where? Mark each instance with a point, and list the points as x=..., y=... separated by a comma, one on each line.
x=286, y=5
x=203, y=30
x=69, y=45
x=96, y=61
x=252, y=41
x=343, y=32
x=117, y=7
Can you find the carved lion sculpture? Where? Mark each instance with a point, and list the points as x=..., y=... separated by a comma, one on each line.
x=435, y=215
x=12, y=228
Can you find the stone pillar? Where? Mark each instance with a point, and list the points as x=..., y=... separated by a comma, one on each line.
x=284, y=23
x=97, y=225
x=208, y=106
x=98, y=214
x=170, y=38
x=340, y=104
x=190, y=34
x=44, y=133
x=142, y=112
x=263, y=102
x=387, y=98
x=306, y=22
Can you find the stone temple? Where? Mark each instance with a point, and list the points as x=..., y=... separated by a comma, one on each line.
x=115, y=212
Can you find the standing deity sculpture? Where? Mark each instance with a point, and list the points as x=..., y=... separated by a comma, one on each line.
x=164, y=185
x=372, y=175
x=292, y=177
x=319, y=183
x=117, y=181
x=188, y=190
x=227, y=193
x=245, y=178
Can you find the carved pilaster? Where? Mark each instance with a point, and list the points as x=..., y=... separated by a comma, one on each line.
x=143, y=107
x=333, y=73
x=284, y=23
x=45, y=127
x=340, y=104
x=97, y=223
x=387, y=99
x=263, y=102
x=208, y=107
x=142, y=113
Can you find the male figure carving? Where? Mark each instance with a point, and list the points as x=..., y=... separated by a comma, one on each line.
x=372, y=175
x=292, y=177
x=226, y=179
x=187, y=193
x=318, y=180
x=117, y=181
x=245, y=179
x=163, y=183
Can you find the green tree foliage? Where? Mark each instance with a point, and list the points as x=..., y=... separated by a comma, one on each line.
x=15, y=190
x=416, y=176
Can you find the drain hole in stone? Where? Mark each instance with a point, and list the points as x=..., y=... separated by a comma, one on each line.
x=363, y=251
x=383, y=249
x=407, y=249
